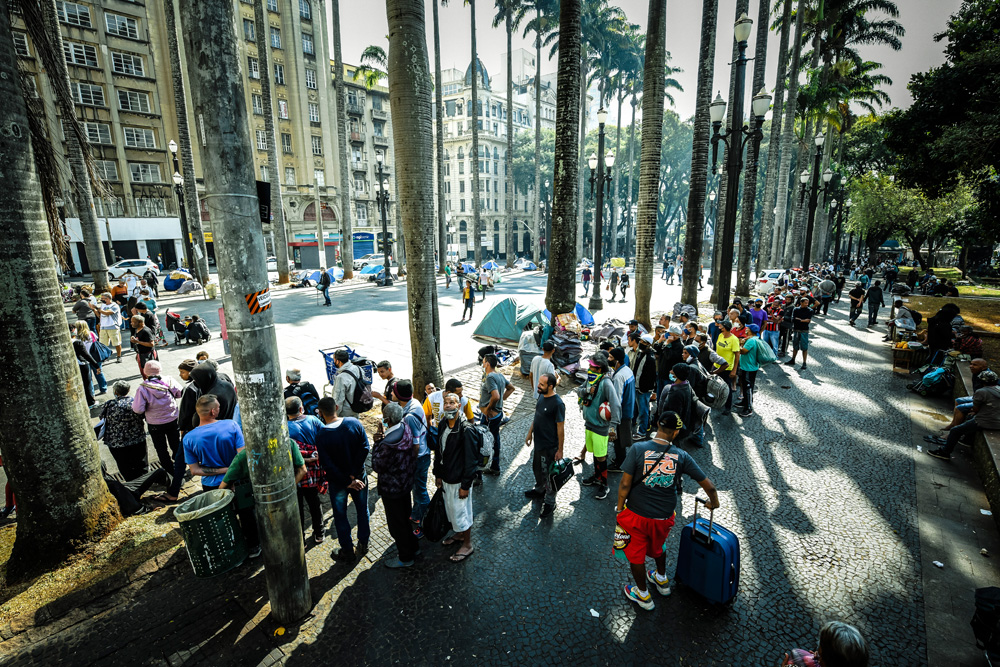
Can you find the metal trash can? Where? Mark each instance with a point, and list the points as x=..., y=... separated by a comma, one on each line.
x=212, y=533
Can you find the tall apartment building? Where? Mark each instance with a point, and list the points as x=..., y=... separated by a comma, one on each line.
x=121, y=80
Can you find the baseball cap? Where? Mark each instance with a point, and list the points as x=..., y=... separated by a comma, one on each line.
x=670, y=420
x=647, y=338
x=674, y=329
x=635, y=322
x=754, y=328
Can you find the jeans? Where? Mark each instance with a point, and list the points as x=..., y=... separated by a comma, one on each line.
x=131, y=460
x=968, y=427
x=642, y=407
x=697, y=437
x=420, y=498
x=826, y=303
x=397, y=519
x=469, y=303
x=326, y=295
x=586, y=286
x=310, y=495
x=771, y=338
x=873, y=314
x=494, y=426
x=338, y=498
x=855, y=313
x=731, y=382
x=541, y=462
x=102, y=382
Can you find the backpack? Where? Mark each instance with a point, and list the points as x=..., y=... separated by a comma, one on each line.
x=936, y=382
x=483, y=441
x=765, y=354
x=361, y=399
x=310, y=402
x=986, y=621
x=917, y=317
x=718, y=391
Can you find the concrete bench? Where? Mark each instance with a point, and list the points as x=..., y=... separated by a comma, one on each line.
x=985, y=449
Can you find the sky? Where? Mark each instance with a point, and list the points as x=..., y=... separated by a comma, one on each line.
x=365, y=24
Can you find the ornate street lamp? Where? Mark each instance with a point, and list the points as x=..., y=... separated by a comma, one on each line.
x=179, y=192
x=382, y=199
x=601, y=180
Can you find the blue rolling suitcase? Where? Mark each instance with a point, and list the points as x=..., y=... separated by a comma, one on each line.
x=709, y=559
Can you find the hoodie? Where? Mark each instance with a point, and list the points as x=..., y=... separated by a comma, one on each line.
x=156, y=399
x=592, y=417
x=394, y=458
x=206, y=379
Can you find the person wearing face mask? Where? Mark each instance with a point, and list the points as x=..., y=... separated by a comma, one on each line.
x=597, y=390
x=624, y=383
x=715, y=327
x=302, y=429
x=416, y=421
x=395, y=460
x=547, y=432
x=728, y=347
x=679, y=398
x=456, y=458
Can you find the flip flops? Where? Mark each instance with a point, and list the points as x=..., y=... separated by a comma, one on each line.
x=458, y=558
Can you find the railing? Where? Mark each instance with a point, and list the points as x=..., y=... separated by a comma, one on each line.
x=356, y=136
x=355, y=109
x=380, y=140
x=379, y=114
x=359, y=165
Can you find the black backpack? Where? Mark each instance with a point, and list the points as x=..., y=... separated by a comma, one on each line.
x=310, y=401
x=361, y=399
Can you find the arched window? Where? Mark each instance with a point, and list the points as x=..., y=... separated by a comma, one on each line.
x=496, y=225
x=496, y=153
x=462, y=226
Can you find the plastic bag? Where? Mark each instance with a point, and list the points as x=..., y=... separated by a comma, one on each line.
x=435, y=524
x=203, y=505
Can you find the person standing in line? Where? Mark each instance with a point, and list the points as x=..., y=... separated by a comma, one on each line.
x=749, y=365
x=85, y=361
x=83, y=334
x=624, y=383
x=495, y=390
x=84, y=310
x=384, y=370
x=416, y=422
x=111, y=323
x=585, y=276
x=547, y=431
x=647, y=500
x=156, y=400
x=468, y=299
x=125, y=433
x=644, y=371
x=144, y=343
x=342, y=445
x=210, y=447
x=876, y=299
x=394, y=459
x=801, y=317
x=455, y=461
x=727, y=347
x=303, y=429
x=770, y=334
x=597, y=429
x=623, y=284
x=541, y=365
x=344, y=383
x=324, y=285
x=827, y=290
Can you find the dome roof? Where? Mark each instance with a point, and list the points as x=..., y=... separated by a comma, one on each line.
x=485, y=80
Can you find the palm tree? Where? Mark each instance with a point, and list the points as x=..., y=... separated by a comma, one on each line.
x=277, y=208
x=477, y=229
x=649, y=160
x=508, y=13
x=560, y=295
x=410, y=100
x=693, y=239
x=439, y=141
x=346, y=186
x=780, y=232
x=63, y=504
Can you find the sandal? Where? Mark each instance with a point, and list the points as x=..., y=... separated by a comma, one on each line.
x=450, y=541
x=458, y=558
x=163, y=498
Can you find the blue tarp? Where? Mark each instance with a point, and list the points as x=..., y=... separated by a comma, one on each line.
x=336, y=273
x=370, y=269
x=582, y=314
x=468, y=268
x=491, y=266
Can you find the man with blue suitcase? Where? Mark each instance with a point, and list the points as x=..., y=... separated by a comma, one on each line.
x=647, y=497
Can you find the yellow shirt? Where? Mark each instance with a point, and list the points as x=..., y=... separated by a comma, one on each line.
x=434, y=406
x=727, y=349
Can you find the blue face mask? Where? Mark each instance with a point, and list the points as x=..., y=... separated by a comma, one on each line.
x=673, y=378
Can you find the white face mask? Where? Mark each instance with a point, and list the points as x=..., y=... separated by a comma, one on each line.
x=450, y=414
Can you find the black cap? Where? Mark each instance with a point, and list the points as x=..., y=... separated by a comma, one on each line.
x=635, y=322
x=618, y=353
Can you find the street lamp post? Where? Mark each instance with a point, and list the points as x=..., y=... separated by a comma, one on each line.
x=840, y=219
x=382, y=198
x=814, y=191
x=600, y=178
x=736, y=141
x=182, y=213
x=545, y=210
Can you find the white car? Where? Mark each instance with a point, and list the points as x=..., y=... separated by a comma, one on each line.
x=376, y=258
x=767, y=279
x=272, y=264
x=360, y=262
x=136, y=266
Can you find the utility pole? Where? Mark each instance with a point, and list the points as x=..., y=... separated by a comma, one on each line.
x=217, y=95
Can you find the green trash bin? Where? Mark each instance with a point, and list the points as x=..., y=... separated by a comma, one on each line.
x=212, y=533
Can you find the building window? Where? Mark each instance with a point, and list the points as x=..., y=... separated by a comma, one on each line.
x=283, y=109
x=73, y=14
x=150, y=207
x=359, y=183
x=129, y=100
x=275, y=38
x=261, y=140
x=379, y=128
x=286, y=146
x=447, y=188
x=97, y=133
x=305, y=10
x=249, y=30
x=144, y=172
x=279, y=74
x=319, y=175
x=253, y=68
x=84, y=55
x=461, y=187
x=317, y=145
x=257, y=102
x=264, y=176
x=126, y=63
x=313, y=112
x=109, y=207
x=352, y=97
x=362, y=211
x=123, y=26
x=461, y=207
x=311, y=78
x=88, y=95
x=139, y=137
x=307, y=44
x=106, y=169
x=376, y=102
x=289, y=171
x=461, y=167
x=272, y=6
x=21, y=44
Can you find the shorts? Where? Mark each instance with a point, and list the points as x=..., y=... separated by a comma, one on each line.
x=800, y=340
x=111, y=337
x=638, y=537
x=459, y=510
x=596, y=444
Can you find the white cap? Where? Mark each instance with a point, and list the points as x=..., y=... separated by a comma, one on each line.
x=647, y=338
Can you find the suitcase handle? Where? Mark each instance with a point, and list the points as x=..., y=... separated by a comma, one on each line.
x=711, y=516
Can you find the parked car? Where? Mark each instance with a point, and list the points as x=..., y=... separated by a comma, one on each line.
x=136, y=266
x=272, y=264
x=359, y=262
x=374, y=258
x=766, y=280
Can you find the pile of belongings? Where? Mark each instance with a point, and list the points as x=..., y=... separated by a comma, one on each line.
x=189, y=286
x=504, y=356
x=566, y=337
x=611, y=330
x=686, y=309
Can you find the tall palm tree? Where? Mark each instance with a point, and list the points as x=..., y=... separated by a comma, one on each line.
x=371, y=67
x=439, y=141
x=277, y=208
x=780, y=232
x=63, y=504
x=560, y=295
x=693, y=239
x=508, y=13
x=346, y=185
x=410, y=101
x=477, y=228
x=649, y=160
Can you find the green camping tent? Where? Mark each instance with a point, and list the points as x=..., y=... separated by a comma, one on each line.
x=505, y=322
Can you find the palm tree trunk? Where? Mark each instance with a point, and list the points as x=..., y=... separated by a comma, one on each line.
x=509, y=158
x=477, y=227
x=821, y=227
x=694, y=238
x=753, y=154
x=631, y=172
x=439, y=153
x=774, y=144
x=346, y=184
x=63, y=504
x=560, y=295
x=77, y=153
x=649, y=156
x=779, y=234
x=536, y=254
x=274, y=176
x=797, y=230
x=615, y=206
x=581, y=177
x=409, y=100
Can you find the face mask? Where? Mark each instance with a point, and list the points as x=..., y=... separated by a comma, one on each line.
x=673, y=378
x=385, y=424
x=592, y=374
x=450, y=414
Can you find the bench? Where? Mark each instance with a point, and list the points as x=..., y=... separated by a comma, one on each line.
x=985, y=449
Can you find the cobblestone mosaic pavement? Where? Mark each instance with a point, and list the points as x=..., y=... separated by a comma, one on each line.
x=819, y=487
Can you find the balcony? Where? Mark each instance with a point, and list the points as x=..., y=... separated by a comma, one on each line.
x=359, y=165
x=356, y=136
x=356, y=109
x=380, y=140
x=379, y=114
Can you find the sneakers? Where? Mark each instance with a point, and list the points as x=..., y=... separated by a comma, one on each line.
x=615, y=467
x=935, y=440
x=602, y=492
x=589, y=481
x=662, y=585
x=534, y=493
x=790, y=362
x=491, y=472
x=547, y=510
x=395, y=564
x=362, y=548
x=803, y=367
x=939, y=453
x=343, y=556
x=255, y=552
x=635, y=595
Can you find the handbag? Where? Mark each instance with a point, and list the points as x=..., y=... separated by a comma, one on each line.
x=101, y=351
x=435, y=524
x=99, y=430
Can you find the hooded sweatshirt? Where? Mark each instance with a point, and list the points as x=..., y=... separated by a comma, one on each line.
x=156, y=399
x=591, y=415
x=395, y=461
x=207, y=380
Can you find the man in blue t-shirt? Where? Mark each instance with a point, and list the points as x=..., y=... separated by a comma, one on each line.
x=211, y=446
x=342, y=445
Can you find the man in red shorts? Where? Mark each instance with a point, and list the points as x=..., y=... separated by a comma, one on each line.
x=647, y=496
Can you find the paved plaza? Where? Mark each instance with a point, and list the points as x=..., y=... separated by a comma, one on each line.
x=821, y=486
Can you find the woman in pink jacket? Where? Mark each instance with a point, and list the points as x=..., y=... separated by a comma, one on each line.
x=156, y=399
